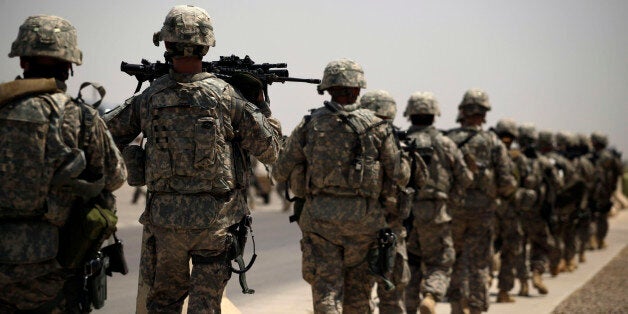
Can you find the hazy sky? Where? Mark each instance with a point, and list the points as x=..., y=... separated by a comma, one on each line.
x=562, y=65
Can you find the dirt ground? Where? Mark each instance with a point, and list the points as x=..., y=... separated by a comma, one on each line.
x=604, y=293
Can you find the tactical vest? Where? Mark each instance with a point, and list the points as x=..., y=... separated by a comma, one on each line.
x=478, y=148
x=28, y=156
x=343, y=161
x=439, y=180
x=187, y=150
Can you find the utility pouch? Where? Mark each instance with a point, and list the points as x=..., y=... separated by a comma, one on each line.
x=117, y=261
x=382, y=258
x=135, y=159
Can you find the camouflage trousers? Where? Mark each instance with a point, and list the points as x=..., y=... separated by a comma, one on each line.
x=172, y=280
x=431, y=253
x=393, y=302
x=509, y=235
x=36, y=288
x=564, y=234
x=583, y=230
x=147, y=270
x=336, y=268
x=536, y=234
x=600, y=221
x=473, y=240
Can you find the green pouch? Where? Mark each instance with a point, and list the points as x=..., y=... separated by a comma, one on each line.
x=84, y=233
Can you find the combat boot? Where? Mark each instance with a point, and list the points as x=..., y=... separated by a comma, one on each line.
x=592, y=243
x=537, y=282
x=602, y=245
x=475, y=311
x=459, y=307
x=503, y=297
x=582, y=258
x=573, y=265
x=562, y=266
x=428, y=304
x=525, y=289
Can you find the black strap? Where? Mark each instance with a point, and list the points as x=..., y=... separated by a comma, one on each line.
x=466, y=140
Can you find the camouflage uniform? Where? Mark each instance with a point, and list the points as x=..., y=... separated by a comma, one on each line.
x=562, y=204
x=430, y=242
x=487, y=157
x=195, y=193
x=348, y=154
x=608, y=168
x=543, y=178
x=508, y=231
x=587, y=170
x=384, y=106
x=36, y=285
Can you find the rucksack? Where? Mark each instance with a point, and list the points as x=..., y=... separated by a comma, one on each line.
x=31, y=146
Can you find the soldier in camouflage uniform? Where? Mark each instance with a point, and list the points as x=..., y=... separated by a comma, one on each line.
x=430, y=244
x=572, y=199
x=47, y=46
x=587, y=169
x=608, y=168
x=563, y=203
x=195, y=125
x=543, y=179
x=349, y=155
x=509, y=215
x=384, y=107
x=487, y=158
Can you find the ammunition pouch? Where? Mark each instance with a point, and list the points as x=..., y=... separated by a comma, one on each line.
x=381, y=259
x=88, y=226
x=135, y=160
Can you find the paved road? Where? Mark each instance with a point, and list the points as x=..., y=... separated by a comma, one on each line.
x=276, y=275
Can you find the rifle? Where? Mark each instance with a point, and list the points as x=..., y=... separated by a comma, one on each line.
x=225, y=68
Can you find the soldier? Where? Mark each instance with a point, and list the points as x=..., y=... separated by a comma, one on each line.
x=385, y=108
x=543, y=180
x=587, y=169
x=487, y=158
x=36, y=114
x=608, y=168
x=430, y=242
x=195, y=125
x=572, y=198
x=348, y=155
x=509, y=233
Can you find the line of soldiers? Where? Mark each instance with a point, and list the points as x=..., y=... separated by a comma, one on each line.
x=466, y=194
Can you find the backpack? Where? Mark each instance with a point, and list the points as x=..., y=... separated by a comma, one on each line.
x=342, y=153
x=31, y=147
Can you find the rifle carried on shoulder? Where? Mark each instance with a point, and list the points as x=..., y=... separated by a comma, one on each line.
x=225, y=68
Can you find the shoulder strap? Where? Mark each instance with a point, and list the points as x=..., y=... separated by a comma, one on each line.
x=469, y=138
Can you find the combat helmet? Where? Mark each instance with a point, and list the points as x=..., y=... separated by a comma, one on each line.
x=507, y=127
x=422, y=103
x=380, y=102
x=474, y=101
x=189, y=28
x=546, y=139
x=528, y=136
x=566, y=140
x=47, y=36
x=342, y=72
x=599, y=139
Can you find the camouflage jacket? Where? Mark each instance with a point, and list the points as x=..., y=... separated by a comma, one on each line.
x=608, y=168
x=487, y=158
x=195, y=125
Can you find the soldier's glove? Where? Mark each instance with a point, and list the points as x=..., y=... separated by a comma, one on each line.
x=252, y=89
x=70, y=169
